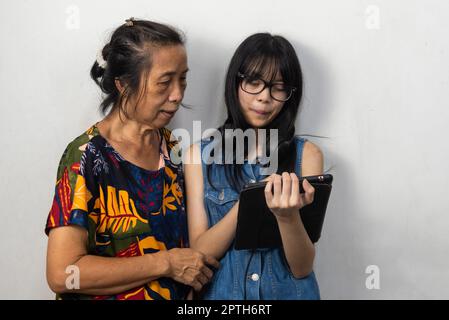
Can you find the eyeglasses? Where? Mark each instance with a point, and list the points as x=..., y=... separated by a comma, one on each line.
x=278, y=91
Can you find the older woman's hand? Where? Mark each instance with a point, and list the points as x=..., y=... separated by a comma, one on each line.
x=190, y=267
x=283, y=197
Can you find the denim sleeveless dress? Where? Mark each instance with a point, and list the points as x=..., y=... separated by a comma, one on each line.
x=259, y=275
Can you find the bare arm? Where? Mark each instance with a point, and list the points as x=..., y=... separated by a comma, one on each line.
x=285, y=202
x=299, y=250
x=216, y=240
x=109, y=275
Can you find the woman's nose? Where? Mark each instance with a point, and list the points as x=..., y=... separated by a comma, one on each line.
x=177, y=93
x=264, y=95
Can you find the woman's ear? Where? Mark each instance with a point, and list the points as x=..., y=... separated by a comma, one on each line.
x=119, y=86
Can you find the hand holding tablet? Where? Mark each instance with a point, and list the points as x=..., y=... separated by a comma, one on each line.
x=257, y=226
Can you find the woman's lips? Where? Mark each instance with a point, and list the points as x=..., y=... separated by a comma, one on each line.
x=167, y=113
x=260, y=112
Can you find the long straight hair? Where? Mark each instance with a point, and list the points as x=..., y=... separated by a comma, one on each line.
x=268, y=55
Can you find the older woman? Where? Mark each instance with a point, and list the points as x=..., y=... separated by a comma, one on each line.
x=118, y=218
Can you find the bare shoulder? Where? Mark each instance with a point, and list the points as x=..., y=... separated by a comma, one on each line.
x=312, y=150
x=312, y=160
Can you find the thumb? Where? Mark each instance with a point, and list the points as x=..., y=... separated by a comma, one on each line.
x=307, y=186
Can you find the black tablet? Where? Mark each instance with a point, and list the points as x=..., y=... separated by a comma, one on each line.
x=256, y=225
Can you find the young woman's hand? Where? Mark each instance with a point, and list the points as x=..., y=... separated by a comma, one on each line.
x=283, y=197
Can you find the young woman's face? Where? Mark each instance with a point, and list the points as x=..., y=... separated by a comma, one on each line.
x=260, y=109
x=165, y=86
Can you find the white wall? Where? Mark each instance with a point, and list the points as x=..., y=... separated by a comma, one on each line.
x=376, y=76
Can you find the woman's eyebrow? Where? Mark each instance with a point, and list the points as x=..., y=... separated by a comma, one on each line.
x=255, y=75
x=258, y=75
x=171, y=73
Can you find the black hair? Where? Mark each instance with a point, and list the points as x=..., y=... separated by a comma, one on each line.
x=128, y=58
x=263, y=54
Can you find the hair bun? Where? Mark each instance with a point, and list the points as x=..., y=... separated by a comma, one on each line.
x=100, y=59
x=130, y=22
x=106, y=50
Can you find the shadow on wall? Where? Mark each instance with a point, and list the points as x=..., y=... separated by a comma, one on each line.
x=338, y=264
x=205, y=88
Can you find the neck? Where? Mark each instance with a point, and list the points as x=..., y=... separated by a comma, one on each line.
x=255, y=150
x=124, y=130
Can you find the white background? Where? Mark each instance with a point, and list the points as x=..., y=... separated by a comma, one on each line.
x=376, y=84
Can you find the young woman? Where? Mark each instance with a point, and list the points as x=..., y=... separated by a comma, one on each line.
x=118, y=225
x=263, y=91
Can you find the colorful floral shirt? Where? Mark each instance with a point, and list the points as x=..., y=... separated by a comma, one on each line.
x=127, y=210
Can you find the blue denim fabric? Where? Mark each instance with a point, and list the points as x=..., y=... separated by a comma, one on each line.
x=268, y=276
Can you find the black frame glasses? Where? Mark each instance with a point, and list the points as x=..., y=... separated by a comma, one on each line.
x=288, y=89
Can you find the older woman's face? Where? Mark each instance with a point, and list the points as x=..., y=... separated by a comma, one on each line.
x=165, y=86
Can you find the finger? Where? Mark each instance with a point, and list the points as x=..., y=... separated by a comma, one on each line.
x=191, y=280
x=277, y=188
x=196, y=285
x=286, y=188
x=268, y=193
x=295, y=188
x=190, y=295
x=207, y=272
x=212, y=261
x=309, y=191
x=202, y=279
